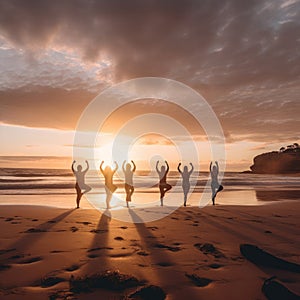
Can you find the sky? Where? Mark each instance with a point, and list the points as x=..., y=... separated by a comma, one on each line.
x=56, y=56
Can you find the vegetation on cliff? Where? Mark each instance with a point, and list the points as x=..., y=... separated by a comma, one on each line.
x=286, y=160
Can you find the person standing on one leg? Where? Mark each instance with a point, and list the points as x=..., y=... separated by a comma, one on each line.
x=163, y=185
x=80, y=186
x=215, y=186
x=110, y=187
x=185, y=180
x=129, y=189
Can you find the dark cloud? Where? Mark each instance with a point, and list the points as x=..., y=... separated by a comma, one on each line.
x=160, y=37
x=243, y=56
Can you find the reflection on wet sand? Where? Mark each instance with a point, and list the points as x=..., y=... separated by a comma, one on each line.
x=277, y=195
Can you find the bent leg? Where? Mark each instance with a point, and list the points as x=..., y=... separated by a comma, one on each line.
x=167, y=187
x=86, y=189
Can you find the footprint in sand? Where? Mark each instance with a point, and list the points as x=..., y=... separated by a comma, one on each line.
x=74, y=229
x=84, y=223
x=123, y=227
x=35, y=230
x=99, y=230
x=199, y=281
x=142, y=253
x=3, y=251
x=18, y=256
x=215, y=266
x=207, y=248
x=93, y=255
x=177, y=244
x=99, y=248
x=72, y=268
x=170, y=248
x=50, y=281
x=153, y=228
x=57, y=251
x=30, y=260
x=118, y=238
x=4, y=267
x=9, y=219
x=165, y=264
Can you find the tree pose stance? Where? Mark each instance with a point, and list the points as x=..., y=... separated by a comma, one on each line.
x=129, y=189
x=80, y=186
x=163, y=185
x=110, y=187
x=215, y=186
x=185, y=180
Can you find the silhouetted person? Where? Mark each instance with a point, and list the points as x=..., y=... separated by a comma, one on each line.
x=80, y=186
x=129, y=189
x=110, y=188
x=215, y=186
x=185, y=180
x=163, y=185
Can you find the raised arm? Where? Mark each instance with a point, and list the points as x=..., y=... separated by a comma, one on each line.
x=157, y=167
x=210, y=166
x=178, y=168
x=134, y=166
x=116, y=167
x=73, y=170
x=217, y=166
x=101, y=167
x=192, y=169
x=87, y=166
x=168, y=168
x=123, y=166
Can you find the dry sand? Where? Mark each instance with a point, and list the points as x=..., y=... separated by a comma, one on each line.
x=38, y=242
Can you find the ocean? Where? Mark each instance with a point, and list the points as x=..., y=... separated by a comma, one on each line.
x=55, y=187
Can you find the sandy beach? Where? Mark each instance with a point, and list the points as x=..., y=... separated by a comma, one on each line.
x=42, y=247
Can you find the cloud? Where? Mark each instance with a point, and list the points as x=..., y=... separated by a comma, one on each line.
x=244, y=57
x=43, y=106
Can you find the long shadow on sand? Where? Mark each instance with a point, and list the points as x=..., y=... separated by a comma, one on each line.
x=31, y=236
x=98, y=250
x=159, y=257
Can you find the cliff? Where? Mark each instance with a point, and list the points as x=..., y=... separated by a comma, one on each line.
x=278, y=162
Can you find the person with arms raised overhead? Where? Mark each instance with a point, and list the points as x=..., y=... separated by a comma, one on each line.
x=129, y=189
x=163, y=185
x=110, y=187
x=215, y=186
x=80, y=186
x=185, y=180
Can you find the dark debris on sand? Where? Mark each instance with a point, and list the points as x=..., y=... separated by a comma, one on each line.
x=109, y=280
